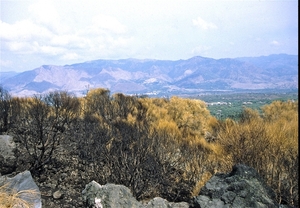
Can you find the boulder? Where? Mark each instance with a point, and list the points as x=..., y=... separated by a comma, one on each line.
x=111, y=195
x=243, y=187
x=8, y=161
x=163, y=203
x=23, y=184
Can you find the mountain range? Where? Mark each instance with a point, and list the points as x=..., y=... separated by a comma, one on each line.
x=159, y=77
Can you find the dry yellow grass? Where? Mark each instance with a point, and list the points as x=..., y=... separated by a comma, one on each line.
x=205, y=177
x=10, y=198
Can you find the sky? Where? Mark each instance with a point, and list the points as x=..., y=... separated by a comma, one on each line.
x=60, y=32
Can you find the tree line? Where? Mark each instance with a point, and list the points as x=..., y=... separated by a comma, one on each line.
x=155, y=146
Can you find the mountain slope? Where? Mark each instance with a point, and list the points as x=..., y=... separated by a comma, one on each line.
x=196, y=74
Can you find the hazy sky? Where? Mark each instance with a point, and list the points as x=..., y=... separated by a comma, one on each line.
x=62, y=32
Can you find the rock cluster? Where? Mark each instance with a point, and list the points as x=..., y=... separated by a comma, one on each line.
x=243, y=187
x=111, y=195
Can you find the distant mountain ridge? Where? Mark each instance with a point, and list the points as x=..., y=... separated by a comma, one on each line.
x=136, y=76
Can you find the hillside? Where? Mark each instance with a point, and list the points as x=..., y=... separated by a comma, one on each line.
x=160, y=77
x=156, y=147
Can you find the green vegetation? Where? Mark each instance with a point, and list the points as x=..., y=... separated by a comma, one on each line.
x=156, y=146
x=231, y=105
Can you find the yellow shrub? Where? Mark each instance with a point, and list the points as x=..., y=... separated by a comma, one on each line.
x=268, y=143
x=10, y=198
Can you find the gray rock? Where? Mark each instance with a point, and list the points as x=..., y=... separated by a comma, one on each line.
x=243, y=187
x=163, y=203
x=111, y=195
x=8, y=160
x=57, y=195
x=108, y=196
x=22, y=183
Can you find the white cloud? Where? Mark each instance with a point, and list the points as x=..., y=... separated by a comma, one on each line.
x=70, y=56
x=22, y=30
x=27, y=37
x=275, y=43
x=103, y=35
x=44, y=12
x=18, y=46
x=5, y=63
x=204, y=25
x=71, y=41
x=47, y=31
x=200, y=49
x=107, y=23
x=47, y=49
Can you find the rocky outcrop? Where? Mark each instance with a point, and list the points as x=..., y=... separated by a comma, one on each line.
x=243, y=187
x=111, y=195
x=23, y=184
x=8, y=160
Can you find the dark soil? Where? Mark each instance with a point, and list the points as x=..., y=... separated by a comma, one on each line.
x=64, y=174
